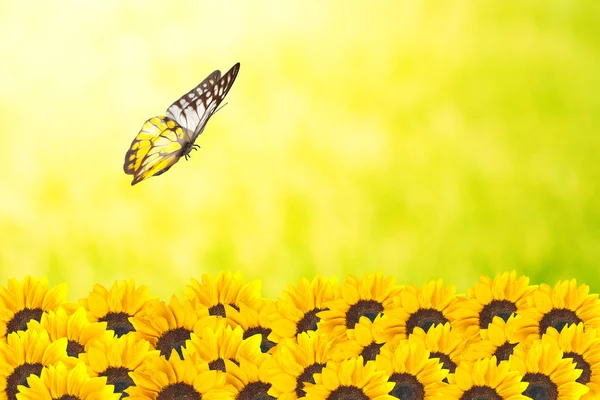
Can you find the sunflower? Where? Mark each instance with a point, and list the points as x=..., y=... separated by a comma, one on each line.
x=583, y=346
x=413, y=372
x=167, y=327
x=251, y=378
x=413, y=307
x=178, y=378
x=550, y=376
x=76, y=327
x=442, y=343
x=365, y=339
x=59, y=382
x=297, y=307
x=486, y=379
x=501, y=297
x=350, y=379
x=499, y=339
x=116, y=305
x=23, y=301
x=25, y=353
x=115, y=357
x=226, y=290
x=223, y=343
x=368, y=297
x=564, y=305
x=295, y=360
x=255, y=319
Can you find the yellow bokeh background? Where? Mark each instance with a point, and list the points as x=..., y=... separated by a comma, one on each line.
x=424, y=139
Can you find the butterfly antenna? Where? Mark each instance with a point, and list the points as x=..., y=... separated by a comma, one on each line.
x=221, y=107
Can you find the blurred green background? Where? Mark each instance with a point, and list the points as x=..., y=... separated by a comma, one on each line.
x=425, y=139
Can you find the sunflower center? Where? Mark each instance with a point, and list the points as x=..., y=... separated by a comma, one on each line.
x=370, y=352
x=179, y=391
x=363, y=308
x=217, y=310
x=118, y=376
x=68, y=397
x=444, y=359
x=558, y=318
x=347, y=393
x=255, y=391
x=19, y=377
x=407, y=387
x=504, y=351
x=173, y=339
x=309, y=321
x=583, y=365
x=496, y=308
x=265, y=344
x=118, y=322
x=74, y=348
x=481, y=393
x=424, y=318
x=20, y=319
x=217, y=365
x=540, y=387
x=307, y=376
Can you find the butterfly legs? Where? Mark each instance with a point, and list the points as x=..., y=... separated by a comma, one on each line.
x=187, y=155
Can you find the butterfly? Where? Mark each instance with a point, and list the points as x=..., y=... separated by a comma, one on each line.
x=164, y=139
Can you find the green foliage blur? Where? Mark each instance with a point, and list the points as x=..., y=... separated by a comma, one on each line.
x=425, y=139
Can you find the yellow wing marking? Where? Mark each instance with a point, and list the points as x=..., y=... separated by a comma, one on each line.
x=155, y=149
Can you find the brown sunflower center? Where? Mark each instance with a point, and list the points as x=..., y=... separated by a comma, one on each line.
x=370, y=352
x=540, y=387
x=558, y=318
x=179, y=391
x=347, y=393
x=118, y=322
x=309, y=321
x=219, y=310
x=255, y=391
x=424, y=318
x=119, y=377
x=407, y=387
x=20, y=319
x=68, y=397
x=584, y=366
x=19, y=377
x=504, y=351
x=74, y=348
x=363, y=308
x=481, y=393
x=496, y=308
x=307, y=376
x=265, y=344
x=217, y=365
x=444, y=359
x=173, y=339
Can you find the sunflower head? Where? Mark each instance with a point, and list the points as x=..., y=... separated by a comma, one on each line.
x=27, y=300
x=366, y=297
x=255, y=319
x=443, y=343
x=61, y=382
x=226, y=290
x=297, y=307
x=251, y=378
x=117, y=305
x=499, y=340
x=365, y=339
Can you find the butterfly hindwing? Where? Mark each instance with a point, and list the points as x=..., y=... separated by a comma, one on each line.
x=158, y=146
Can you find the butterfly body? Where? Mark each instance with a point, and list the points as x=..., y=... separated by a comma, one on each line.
x=163, y=140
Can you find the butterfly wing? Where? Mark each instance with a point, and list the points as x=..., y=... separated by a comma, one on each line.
x=194, y=115
x=155, y=149
x=181, y=112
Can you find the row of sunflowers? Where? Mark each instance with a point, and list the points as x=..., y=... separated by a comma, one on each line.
x=367, y=338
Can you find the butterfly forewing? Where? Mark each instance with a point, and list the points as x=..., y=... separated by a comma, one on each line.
x=183, y=111
x=155, y=149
